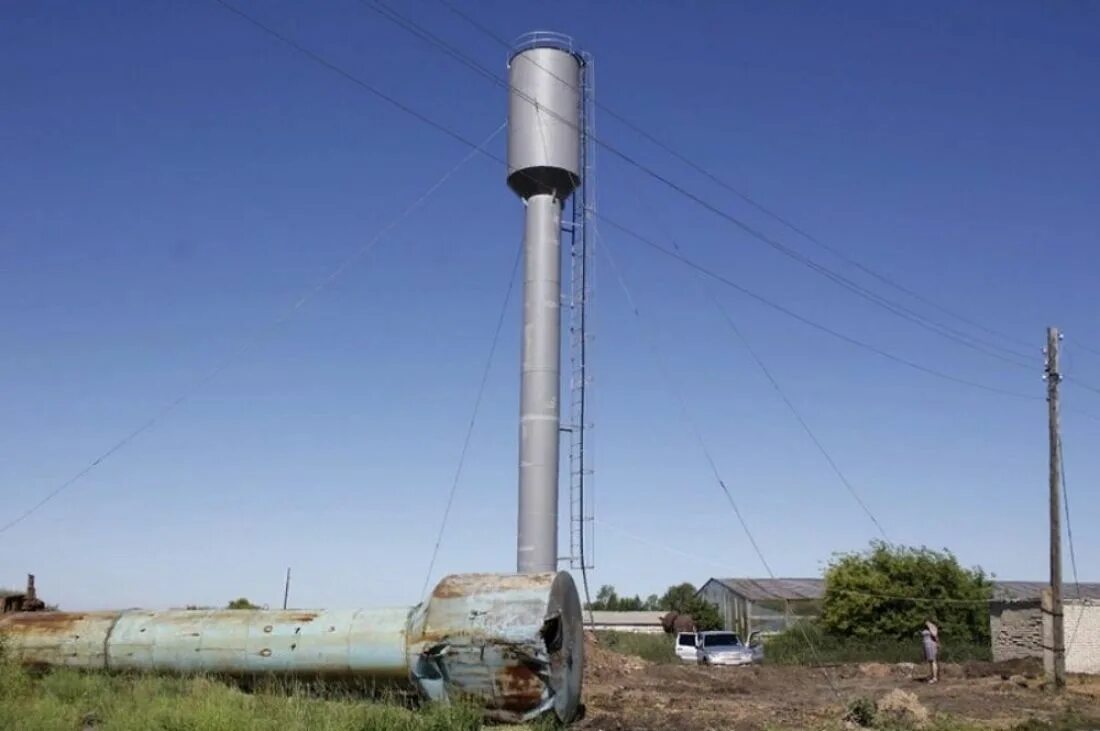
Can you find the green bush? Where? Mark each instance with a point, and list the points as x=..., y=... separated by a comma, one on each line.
x=861, y=712
x=888, y=592
x=656, y=648
x=241, y=603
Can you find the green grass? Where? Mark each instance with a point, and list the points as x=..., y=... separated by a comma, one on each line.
x=66, y=700
x=652, y=647
x=793, y=648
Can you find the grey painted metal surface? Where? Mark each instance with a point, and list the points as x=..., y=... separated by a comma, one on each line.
x=540, y=383
x=544, y=168
x=514, y=642
x=544, y=122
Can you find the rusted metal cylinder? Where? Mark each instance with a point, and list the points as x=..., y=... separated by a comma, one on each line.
x=514, y=642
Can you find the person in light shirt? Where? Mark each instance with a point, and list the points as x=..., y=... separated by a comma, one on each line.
x=930, y=639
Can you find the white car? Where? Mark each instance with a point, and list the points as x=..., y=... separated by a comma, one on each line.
x=686, y=651
x=726, y=648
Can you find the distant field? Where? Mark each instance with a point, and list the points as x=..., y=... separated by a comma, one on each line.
x=651, y=647
x=805, y=646
x=65, y=700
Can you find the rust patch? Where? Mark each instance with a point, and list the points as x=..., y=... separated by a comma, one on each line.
x=187, y=619
x=521, y=689
x=303, y=617
x=460, y=585
x=48, y=623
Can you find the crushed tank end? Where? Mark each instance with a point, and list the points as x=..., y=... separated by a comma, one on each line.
x=514, y=641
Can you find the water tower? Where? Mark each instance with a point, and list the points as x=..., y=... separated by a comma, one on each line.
x=544, y=168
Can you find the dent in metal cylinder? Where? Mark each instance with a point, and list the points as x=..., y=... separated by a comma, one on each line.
x=544, y=122
x=537, y=539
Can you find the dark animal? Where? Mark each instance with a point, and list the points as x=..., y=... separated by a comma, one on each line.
x=674, y=622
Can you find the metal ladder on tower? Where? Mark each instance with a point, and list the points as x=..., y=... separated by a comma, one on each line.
x=581, y=232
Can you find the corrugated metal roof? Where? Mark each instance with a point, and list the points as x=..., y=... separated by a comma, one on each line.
x=1031, y=590
x=794, y=589
x=624, y=619
x=763, y=589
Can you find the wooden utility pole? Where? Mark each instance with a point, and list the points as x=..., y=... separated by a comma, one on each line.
x=1057, y=670
x=286, y=588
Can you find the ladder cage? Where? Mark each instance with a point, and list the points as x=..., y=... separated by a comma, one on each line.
x=582, y=534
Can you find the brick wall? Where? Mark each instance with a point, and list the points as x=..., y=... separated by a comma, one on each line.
x=1082, y=618
x=1016, y=630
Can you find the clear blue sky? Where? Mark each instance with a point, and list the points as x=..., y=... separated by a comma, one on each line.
x=172, y=180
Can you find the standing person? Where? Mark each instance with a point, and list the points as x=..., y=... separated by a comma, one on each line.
x=930, y=639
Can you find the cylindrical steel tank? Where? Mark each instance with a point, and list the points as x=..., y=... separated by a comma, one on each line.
x=540, y=382
x=514, y=642
x=544, y=104
x=544, y=167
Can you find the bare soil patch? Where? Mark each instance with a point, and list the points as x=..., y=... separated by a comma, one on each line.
x=625, y=693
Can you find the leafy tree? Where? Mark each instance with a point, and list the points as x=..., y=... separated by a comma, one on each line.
x=241, y=603
x=608, y=600
x=683, y=599
x=891, y=591
x=680, y=598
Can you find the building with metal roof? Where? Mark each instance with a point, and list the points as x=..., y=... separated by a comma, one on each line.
x=771, y=605
x=644, y=622
x=766, y=605
x=1027, y=591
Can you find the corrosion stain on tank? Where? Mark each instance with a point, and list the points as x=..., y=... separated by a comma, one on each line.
x=49, y=623
x=521, y=689
x=465, y=585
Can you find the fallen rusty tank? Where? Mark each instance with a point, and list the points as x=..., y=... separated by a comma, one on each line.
x=513, y=643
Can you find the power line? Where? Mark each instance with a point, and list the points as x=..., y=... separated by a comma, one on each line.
x=685, y=414
x=457, y=136
x=473, y=419
x=945, y=331
x=1086, y=348
x=694, y=429
x=805, y=320
x=704, y=560
x=1082, y=384
x=758, y=206
x=1069, y=538
x=338, y=70
x=798, y=416
x=259, y=337
x=740, y=335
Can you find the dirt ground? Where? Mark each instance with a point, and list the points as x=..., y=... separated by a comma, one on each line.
x=626, y=693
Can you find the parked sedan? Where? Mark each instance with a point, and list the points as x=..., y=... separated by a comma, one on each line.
x=726, y=648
